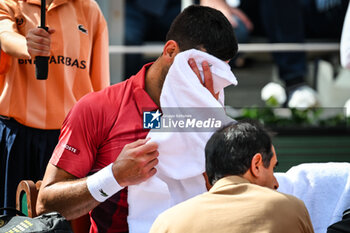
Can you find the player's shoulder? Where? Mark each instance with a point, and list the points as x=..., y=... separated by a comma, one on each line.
x=105, y=98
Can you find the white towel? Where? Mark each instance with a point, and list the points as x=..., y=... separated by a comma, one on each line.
x=181, y=154
x=324, y=188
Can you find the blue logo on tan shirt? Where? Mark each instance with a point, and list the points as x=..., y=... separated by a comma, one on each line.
x=151, y=120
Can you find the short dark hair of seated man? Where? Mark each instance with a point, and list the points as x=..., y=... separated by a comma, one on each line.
x=230, y=151
x=240, y=159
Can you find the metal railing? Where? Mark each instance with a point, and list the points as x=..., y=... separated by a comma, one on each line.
x=251, y=47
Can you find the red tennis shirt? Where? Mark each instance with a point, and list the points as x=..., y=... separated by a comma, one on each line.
x=94, y=133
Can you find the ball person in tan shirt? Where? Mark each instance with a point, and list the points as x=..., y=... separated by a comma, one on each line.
x=240, y=160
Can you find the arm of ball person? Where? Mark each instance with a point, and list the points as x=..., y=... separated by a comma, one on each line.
x=36, y=43
x=39, y=42
x=61, y=191
x=14, y=44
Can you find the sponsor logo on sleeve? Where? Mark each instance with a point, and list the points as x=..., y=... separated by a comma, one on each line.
x=72, y=149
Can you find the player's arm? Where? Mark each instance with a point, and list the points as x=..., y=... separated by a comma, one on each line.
x=73, y=197
x=64, y=193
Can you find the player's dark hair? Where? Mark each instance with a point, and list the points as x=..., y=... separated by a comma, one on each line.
x=205, y=28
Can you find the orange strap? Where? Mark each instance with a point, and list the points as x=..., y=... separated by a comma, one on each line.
x=5, y=62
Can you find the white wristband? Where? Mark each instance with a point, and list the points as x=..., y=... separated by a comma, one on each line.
x=102, y=185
